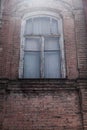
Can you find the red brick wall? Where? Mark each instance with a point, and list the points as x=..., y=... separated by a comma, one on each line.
x=83, y=85
x=85, y=8
x=10, y=39
x=46, y=110
x=43, y=104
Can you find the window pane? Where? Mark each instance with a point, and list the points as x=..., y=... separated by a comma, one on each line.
x=41, y=25
x=52, y=64
x=52, y=44
x=54, y=26
x=31, y=65
x=32, y=44
x=28, y=27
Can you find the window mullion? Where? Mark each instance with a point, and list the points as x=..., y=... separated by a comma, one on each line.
x=42, y=57
x=50, y=25
x=32, y=26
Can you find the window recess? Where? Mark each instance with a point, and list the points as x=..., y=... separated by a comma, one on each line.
x=42, y=57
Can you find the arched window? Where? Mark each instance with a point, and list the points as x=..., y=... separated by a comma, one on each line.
x=42, y=57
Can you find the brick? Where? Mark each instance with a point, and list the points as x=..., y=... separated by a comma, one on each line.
x=44, y=104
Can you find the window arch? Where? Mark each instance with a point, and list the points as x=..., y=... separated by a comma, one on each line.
x=42, y=50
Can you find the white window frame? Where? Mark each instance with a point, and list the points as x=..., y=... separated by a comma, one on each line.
x=1, y=11
x=61, y=41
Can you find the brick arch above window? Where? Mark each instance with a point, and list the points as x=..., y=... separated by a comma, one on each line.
x=27, y=5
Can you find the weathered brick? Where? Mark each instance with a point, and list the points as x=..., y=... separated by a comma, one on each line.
x=44, y=104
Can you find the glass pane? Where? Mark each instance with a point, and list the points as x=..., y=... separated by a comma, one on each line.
x=28, y=27
x=52, y=65
x=54, y=26
x=52, y=44
x=32, y=44
x=41, y=25
x=32, y=65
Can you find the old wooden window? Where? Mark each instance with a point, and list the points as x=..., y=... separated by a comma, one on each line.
x=0, y=13
x=1, y=10
x=42, y=52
